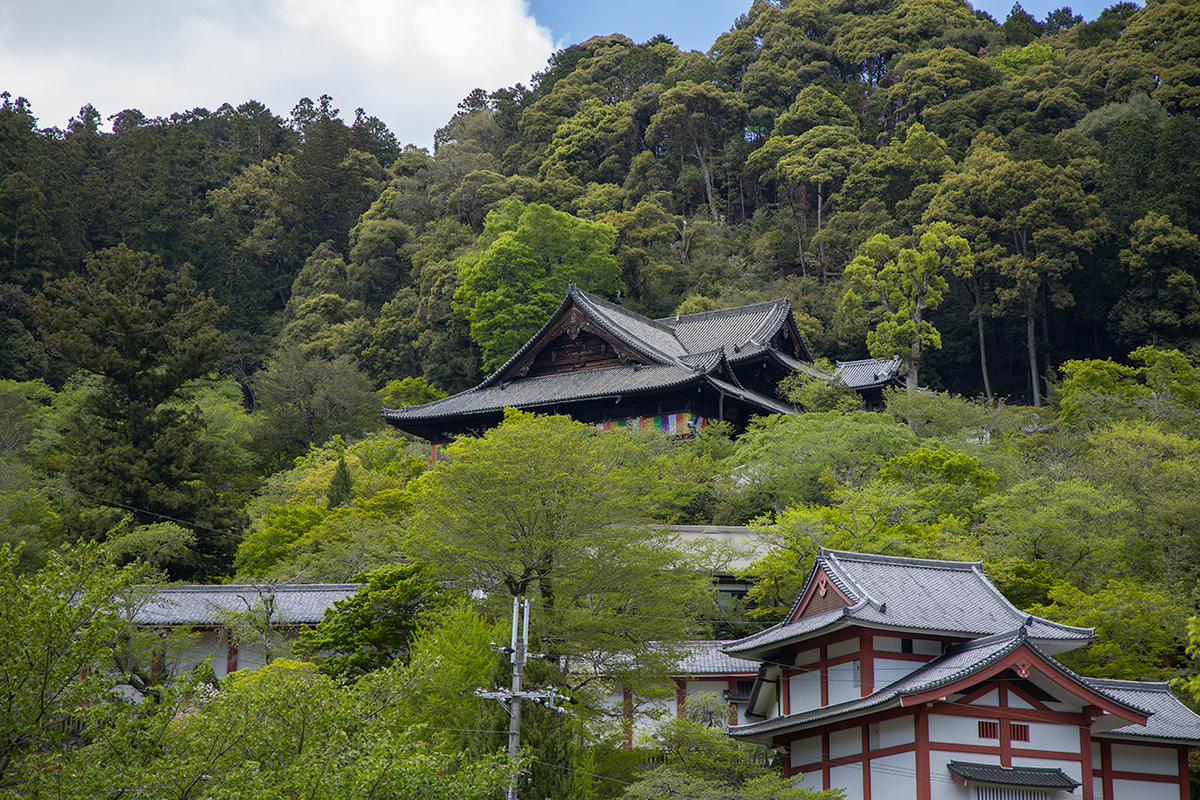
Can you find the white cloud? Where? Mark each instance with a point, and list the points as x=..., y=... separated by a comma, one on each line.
x=407, y=62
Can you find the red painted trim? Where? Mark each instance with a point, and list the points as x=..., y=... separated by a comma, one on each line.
x=824, y=677
x=785, y=691
x=231, y=658
x=856, y=758
x=811, y=590
x=1015, y=714
x=995, y=750
x=1106, y=769
x=680, y=697
x=866, y=670
x=1185, y=783
x=1148, y=777
x=924, y=789
x=1028, y=698
x=825, y=766
x=1024, y=653
x=1085, y=755
x=915, y=657
x=866, y=758
x=1005, y=730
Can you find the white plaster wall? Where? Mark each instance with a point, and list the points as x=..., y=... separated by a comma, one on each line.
x=208, y=646
x=806, y=751
x=942, y=785
x=1145, y=790
x=844, y=682
x=959, y=730
x=842, y=648
x=927, y=647
x=894, y=777
x=1072, y=768
x=845, y=743
x=887, y=644
x=888, y=670
x=849, y=778
x=1049, y=736
x=992, y=698
x=805, y=688
x=894, y=732
x=1138, y=758
x=810, y=780
x=807, y=657
x=1016, y=701
x=700, y=687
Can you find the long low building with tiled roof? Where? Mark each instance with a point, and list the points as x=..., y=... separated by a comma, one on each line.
x=914, y=678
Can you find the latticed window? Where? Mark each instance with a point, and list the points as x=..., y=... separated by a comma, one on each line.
x=1020, y=733
x=989, y=729
x=1008, y=793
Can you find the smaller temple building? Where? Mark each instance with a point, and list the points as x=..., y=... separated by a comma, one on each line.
x=900, y=678
x=605, y=365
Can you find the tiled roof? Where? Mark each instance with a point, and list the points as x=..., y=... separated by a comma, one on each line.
x=550, y=389
x=731, y=329
x=705, y=658
x=869, y=372
x=298, y=604
x=957, y=663
x=1171, y=719
x=953, y=597
x=1034, y=777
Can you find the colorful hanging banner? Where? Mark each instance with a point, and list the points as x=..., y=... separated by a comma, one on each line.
x=673, y=424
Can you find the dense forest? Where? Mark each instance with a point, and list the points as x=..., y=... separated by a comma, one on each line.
x=201, y=316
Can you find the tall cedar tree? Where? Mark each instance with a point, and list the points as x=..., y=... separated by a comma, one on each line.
x=136, y=444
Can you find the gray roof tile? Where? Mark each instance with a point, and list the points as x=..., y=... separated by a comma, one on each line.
x=298, y=604
x=1036, y=777
x=1171, y=719
x=952, y=597
x=869, y=372
x=704, y=657
x=729, y=328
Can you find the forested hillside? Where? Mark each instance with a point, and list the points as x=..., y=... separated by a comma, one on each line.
x=201, y=316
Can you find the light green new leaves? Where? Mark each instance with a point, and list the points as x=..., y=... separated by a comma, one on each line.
x=903, y=283
x=529, y=255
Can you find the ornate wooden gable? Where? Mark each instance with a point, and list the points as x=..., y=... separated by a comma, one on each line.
x=571, y=343
x=821, y=595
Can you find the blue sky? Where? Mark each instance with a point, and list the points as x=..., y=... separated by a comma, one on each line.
x=695, y=24
x=408, y=62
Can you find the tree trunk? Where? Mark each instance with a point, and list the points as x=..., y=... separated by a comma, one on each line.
x=708, y=188
x=799, y=231
x=1031, y=346
x=821, y=249
x=977, y=295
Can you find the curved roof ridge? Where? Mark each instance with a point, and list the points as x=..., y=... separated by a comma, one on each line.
x=933, y=563
x=630, y=338
x=721, y=312
x=829, y=557
x=987, y=582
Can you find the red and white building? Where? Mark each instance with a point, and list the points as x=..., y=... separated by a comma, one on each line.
x=900, y=678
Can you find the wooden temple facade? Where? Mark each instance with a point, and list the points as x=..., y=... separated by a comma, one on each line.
x=608, y=366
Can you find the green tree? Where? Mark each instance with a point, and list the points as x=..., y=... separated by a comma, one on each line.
x=57, y=630
x=563, y=509
x=695, y=120
x=376, y=625
x=528, y=255
x=1162, y=304
x=146, y=333
x=906, y=283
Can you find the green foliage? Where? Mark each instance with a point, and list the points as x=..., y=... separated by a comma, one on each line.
x=565, y=508
x=528, y=255
x=702, y=762
x=341, y=485
x=1019, y=60
x=57, y=628
x=800, y=459
x=375, y=626
x=1139, y=628
x=281, y=731
x=410, y=392
x=906, y=283
x=820, y=390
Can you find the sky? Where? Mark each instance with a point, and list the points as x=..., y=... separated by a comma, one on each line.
x=408, y=62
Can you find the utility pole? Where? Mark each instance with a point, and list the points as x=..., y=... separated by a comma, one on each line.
x=519, y=651
x=511, y=698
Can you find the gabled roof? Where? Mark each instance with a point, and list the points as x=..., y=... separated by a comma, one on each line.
x=869, y=372
x=946, y=674
x=704, y=657
x=691, y=349
x=907, y=594
x=1171, y=719
x=294, y=604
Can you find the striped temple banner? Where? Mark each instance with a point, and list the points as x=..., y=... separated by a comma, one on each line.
x=673, y=424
